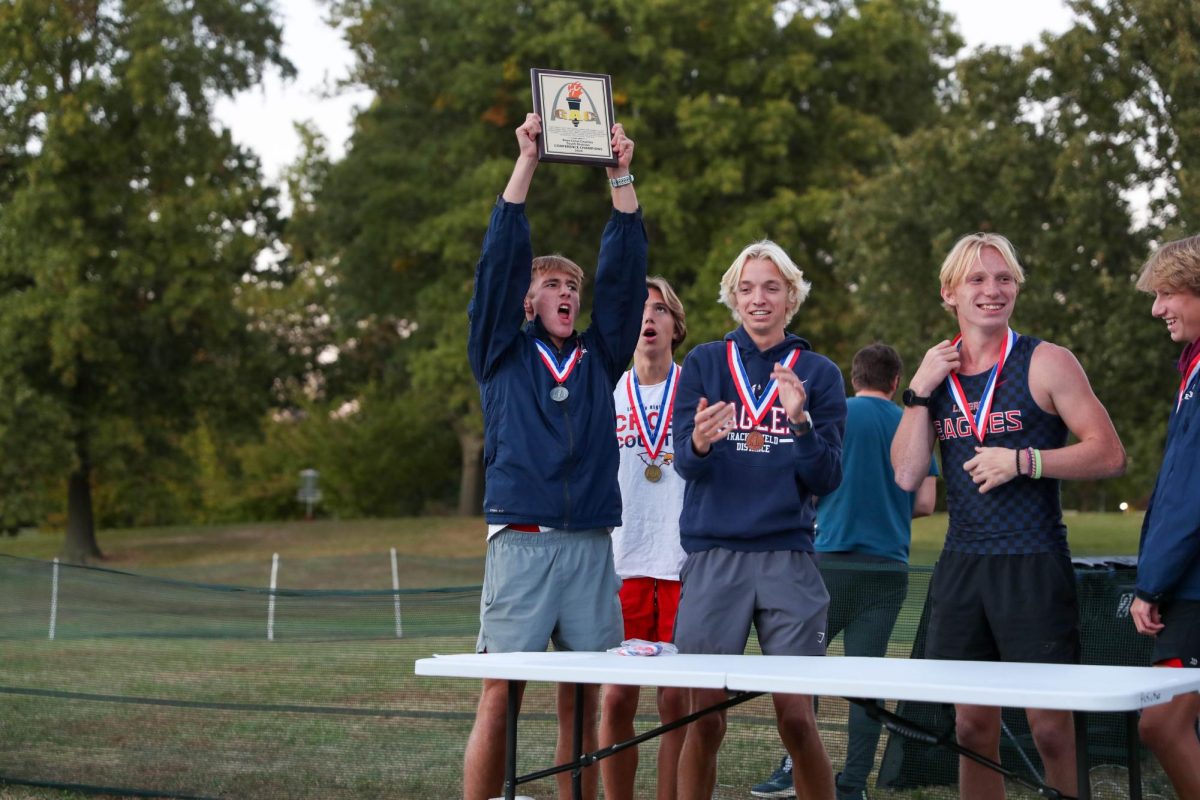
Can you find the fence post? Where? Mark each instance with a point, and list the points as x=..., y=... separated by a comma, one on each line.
x=271, y=598
x=54, y=598
x=396, y=595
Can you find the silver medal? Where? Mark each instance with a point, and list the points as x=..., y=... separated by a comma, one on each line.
x=559, y=393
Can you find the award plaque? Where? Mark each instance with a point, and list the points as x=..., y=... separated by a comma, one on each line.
x=577, y=117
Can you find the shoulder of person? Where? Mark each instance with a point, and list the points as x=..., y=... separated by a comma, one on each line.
x=1051, y=356
x=816, y=365
x=705, y=352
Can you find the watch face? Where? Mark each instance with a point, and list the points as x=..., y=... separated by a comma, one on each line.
x=911, y=398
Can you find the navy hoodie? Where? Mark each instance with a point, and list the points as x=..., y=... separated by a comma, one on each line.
x=1169, y=552
x=552, y=463
x=747, y=499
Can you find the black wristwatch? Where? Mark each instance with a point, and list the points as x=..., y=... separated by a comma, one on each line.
x=802, y=427
x=911, y=399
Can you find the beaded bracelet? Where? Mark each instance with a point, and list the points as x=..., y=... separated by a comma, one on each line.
x=1017, y=453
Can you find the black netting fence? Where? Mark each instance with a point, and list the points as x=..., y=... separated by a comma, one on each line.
x=148, y=686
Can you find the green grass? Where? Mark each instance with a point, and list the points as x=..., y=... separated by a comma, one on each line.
x=322, y=554
x=1089, y=534
x=165, y=685
x=337, y=554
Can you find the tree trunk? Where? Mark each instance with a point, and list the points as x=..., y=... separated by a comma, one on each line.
x=80, y=546
x=470, y=487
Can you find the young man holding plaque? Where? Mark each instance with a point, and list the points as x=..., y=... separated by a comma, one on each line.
x=1167, y=601
x=646, y=546
x=759, y=417
x=552, y=495
x=1001, y=405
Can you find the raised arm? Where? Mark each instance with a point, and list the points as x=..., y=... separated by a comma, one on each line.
x=522, y=175
x=912, y=446
x=502, y=272
x=620, y=292
x=624, y=198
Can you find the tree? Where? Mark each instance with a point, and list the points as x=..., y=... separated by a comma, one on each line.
x=747, y=125
x=1038, y=145
x=128, y=221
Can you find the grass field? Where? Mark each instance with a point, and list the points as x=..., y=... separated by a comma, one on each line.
x=355, y=552
x=169, y=686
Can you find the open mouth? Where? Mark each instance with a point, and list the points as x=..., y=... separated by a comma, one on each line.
x=564, y=312
x=649, y=334
x=991, y=306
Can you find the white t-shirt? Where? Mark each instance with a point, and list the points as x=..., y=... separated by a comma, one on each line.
x=647, y=543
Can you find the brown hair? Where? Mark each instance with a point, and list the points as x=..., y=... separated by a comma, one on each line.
x=875, y=367
x=555, y=263
x=674, y=305
x=1175, y=266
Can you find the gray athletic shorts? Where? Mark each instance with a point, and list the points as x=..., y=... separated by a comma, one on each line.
x=780, y=591
x=558, y=586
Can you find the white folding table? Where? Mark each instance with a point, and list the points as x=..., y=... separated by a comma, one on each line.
x=1076, y=688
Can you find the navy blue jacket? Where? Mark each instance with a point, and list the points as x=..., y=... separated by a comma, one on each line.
x=552, y=463
x=1169, y=553
x=757, y=500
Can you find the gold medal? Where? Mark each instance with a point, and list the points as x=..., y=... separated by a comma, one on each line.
x=653, y=473
x=755, y=441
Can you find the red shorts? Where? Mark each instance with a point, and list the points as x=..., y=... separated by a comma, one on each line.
x=648, y=606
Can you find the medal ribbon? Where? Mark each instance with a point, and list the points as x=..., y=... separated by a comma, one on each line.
x=1188, y=376
x=756, y=407
x=979, y=423
x=560, y=371
x=653, y=439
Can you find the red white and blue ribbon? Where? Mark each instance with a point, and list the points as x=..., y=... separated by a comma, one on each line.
x=1188, y=377
x=653, y=437
x=560, y=370
x=979, y=422
x=756, y=407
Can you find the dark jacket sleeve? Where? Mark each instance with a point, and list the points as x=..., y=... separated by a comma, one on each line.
x=620, y=292
x=1170, y=542
x=688, y=465
x=818, y=454
x=497, y=310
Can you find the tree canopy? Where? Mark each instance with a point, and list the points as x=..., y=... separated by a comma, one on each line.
x=128, y=222
x=145, y=331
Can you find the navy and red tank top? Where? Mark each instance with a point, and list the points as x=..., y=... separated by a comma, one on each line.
x=1023, y=516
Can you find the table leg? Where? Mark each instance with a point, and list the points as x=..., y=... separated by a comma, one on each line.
x=510, y=742
x=577, y=773
x=1134, y=755
x=1082, y=760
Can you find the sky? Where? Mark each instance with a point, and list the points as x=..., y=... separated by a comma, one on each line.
x=263, y=118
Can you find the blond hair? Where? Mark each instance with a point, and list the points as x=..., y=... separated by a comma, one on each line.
x=555, y=263
x=965, y=255
x=798, y=288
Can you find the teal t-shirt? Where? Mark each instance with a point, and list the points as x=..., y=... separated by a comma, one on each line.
x=868, y=513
